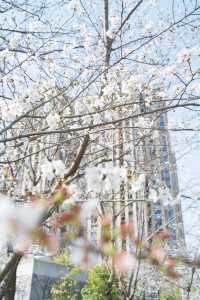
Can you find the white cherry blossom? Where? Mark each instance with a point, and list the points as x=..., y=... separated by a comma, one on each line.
x=53, y=120
x=50, y=169
x=59, y=168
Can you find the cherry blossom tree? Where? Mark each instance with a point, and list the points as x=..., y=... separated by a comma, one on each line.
x=76, y=77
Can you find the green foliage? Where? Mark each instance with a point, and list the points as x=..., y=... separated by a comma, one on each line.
x=97, y=288
x=67, y=288
x=170, y=295
x=63, y=259
x=101, y=285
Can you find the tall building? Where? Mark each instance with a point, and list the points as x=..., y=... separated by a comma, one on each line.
x=142, y=145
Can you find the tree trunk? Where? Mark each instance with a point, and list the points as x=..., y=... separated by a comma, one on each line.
x=8, y=287
x=10, y=291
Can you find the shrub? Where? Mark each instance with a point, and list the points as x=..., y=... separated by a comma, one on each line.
x=102, y=284
x=68, y=288
x=63, y=259
x=170, y=295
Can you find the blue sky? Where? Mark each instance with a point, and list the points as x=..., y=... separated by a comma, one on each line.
x=187, y=149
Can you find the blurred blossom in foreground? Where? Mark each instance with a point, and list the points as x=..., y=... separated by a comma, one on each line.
x=124, y=262
x=82, y=254
x=17, y=222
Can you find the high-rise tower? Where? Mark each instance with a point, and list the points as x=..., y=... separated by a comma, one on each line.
x=142, y=145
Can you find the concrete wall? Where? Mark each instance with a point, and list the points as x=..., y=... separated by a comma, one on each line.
x=36, y=275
